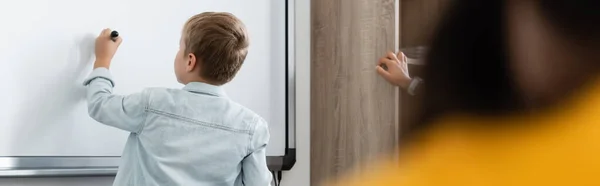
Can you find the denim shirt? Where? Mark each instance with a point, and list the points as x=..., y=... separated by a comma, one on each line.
x=189, y=136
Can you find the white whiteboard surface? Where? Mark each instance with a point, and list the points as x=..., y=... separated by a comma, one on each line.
x=47, y=51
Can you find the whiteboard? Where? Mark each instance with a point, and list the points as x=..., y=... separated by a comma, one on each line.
x=47, y=51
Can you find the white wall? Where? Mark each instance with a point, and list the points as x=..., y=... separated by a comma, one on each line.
x=300, y=173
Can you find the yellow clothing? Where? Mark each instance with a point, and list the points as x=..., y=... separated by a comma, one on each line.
x=559, y=146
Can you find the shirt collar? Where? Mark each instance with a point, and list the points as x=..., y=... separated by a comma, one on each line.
x=205, y=88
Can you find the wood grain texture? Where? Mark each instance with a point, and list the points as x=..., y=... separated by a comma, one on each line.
x=353, y=110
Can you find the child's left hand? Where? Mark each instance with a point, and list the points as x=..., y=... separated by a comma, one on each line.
x=105, y=48
x=397, y=69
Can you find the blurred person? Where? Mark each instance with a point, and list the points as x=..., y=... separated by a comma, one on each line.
x=512, y=98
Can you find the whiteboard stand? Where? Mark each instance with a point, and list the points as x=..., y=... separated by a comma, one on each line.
x=61, y=166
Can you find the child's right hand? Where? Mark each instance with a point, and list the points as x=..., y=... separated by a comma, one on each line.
x=105, y=48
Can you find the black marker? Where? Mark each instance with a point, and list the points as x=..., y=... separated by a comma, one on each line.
x=113, y=35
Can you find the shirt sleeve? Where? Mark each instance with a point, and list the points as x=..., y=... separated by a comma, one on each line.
x=254, y=166
x=123, y=112
x=416, y=86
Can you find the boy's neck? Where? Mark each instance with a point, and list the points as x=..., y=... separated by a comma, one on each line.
x=201, y=80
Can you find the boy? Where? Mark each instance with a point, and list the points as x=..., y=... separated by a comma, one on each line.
x=192, y=136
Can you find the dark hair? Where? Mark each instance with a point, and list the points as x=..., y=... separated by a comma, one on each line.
x=466, y=66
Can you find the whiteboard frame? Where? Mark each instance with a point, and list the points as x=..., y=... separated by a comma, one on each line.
x=69, y=166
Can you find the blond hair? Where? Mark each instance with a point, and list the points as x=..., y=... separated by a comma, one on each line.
x=219, y=41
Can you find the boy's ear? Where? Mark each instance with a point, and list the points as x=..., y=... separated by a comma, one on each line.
x=191, y=63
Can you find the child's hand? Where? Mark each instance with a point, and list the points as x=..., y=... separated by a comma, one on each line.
x=105, y=49
x=397, y=69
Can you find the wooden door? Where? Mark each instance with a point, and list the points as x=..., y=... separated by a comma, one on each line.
x=353, y=110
